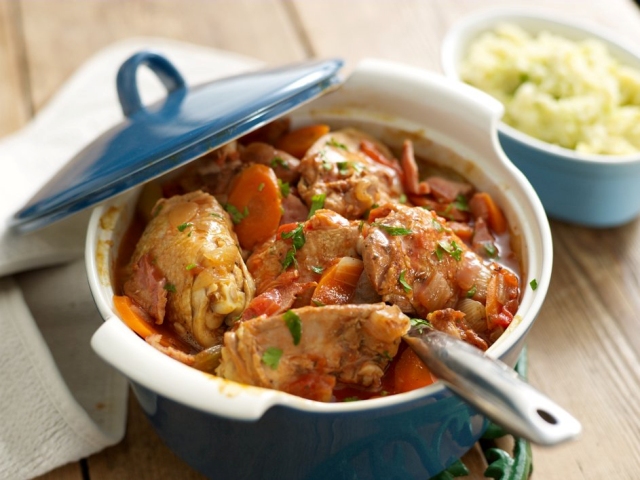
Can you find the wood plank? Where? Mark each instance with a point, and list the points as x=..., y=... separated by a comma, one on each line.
x=582, y=355
x=258, y=29
x=13, y=87
x=71, y=471
x=411, y=31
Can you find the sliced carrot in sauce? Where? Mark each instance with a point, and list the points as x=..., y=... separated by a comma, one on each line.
x=298, y=141
x=337, y=285
x=255, y=205
x=410, y=373
x=483, y=205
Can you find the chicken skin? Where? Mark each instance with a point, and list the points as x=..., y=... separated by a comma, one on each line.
x=307, y=350
x=187, y=269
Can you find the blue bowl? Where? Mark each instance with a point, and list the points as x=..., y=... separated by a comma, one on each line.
x=594, y=193
x=585, y=189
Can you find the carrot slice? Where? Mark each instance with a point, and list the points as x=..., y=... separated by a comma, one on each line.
x=410, y=373
x=135, y=320
x=482, y=204
x=298, y=141
x=338, y=284
x=255, y=205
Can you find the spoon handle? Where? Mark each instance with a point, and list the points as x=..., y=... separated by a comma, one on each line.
x=493, y=388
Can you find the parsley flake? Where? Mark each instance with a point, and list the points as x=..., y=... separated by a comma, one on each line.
x=420, y=324
x=461, y=203
x=284, y=188
x=351, y=399
x=403, y=282
x=279, y=162
x=393, y=231
x=317, y=202
x=317, y=269
x=261, y=187
x=217, y=215
x=490, y=249
x=294, y=325
x=297, y=239
x=453, y=249
x=472, y=291
x=170, y=287
x=534, y=284
x=317, y=303
x=183, y=226
x=191, y=266
x=403, y=198
x=332, y=142
x=271, y=357
x=236, y=215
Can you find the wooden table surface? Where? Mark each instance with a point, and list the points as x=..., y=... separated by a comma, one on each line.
x=584, y=349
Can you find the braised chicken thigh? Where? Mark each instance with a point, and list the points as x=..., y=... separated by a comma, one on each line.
x=351, y=182
x=187, y=268
x=307, y=350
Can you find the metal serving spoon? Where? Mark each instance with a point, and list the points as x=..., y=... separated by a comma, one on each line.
x=493, y=387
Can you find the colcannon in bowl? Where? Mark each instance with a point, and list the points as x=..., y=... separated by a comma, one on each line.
x=275, y=276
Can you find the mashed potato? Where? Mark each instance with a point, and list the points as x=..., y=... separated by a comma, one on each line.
x=573, y=94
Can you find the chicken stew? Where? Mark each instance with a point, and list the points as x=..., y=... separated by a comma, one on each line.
x=296, y=260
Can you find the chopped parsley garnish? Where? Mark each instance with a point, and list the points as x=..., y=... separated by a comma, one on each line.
x=297, y=239
x=157, y=210
x=317, y=202
x=217, y=215
x=461, y=203
x=170, y=287
x=472, y=291
x=236, y=215
x=420, y=324
x=317, y=303
x=437, y=225
x=490, y=248
x=351, y=399
x=439, y=252
x=393, y=231
x=297, y=236
x=326, y=165
x=261, y=187
x=403, y=282
x=279, y=162
x=294, y=325
x=271, y=357
x=332, y=142
x=191, y=266
x=284, y=188
x=452, y=249
x=290, y=259
x=343, y=167
x=317, y=269
x=403, y=198
x=183, y=226
x=534, y=284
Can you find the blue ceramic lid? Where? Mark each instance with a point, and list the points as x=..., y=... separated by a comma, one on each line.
x=186, y=124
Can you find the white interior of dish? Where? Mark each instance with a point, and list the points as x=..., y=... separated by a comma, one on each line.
x=382, y=98
x=464, y=32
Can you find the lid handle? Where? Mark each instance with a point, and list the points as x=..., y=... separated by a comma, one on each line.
x=127, y=85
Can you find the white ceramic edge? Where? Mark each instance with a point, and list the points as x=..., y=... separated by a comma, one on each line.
x=117, y=344
x=463, y=31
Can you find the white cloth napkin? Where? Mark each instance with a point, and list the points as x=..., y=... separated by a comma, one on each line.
x=58, y=401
